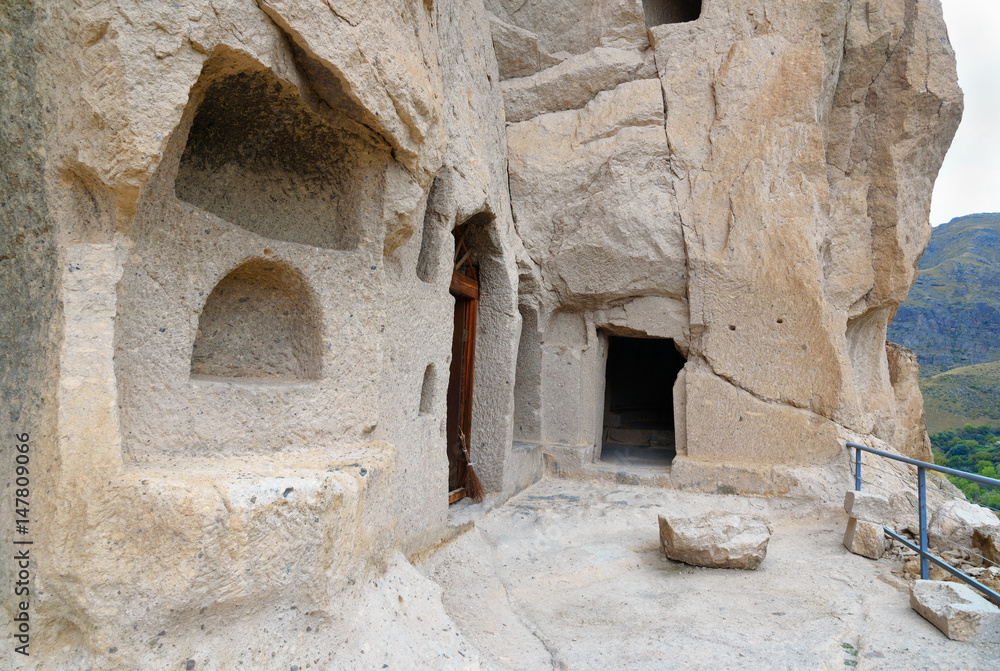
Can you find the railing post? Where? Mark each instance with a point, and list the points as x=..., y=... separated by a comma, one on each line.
x=922, y=493
x=857, y=469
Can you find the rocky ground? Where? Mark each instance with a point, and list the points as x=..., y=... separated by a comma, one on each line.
x=569, y=575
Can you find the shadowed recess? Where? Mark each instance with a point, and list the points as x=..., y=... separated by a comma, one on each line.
x=639, y=400
x=427, y=396
x=659, y=12
x=258, y=157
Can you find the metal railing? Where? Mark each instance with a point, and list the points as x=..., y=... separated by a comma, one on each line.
x=922, y=550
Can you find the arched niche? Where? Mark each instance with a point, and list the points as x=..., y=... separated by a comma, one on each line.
x=261, y=322
x=428, y=395
x=259, y=157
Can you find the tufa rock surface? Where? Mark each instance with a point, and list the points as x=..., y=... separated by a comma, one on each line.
x=956, y=520
x=716, y=539
x=868, y=507
x=865, y=538
x=957, y=610
x=987, y=542
x=772, y=190
x=228, y=238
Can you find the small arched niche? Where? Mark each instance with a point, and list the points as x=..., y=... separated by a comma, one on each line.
x=659, y=12
x=427, y=390
x=261, y=322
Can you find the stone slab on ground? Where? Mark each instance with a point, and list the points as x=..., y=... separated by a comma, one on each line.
x=957, y=610
x=716, y=539
x=868, y=507
x=865, y=538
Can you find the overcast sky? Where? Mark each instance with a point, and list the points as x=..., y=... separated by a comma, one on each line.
x=970, y=177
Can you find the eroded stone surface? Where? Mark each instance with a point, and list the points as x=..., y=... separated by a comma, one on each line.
x=957, y=610
x=911, y=430
x=957, y=519
x=793, y=210
x=716, y=539
x=868, y=507
x=987, y=542
x=865, y=538
x=572, y=83
x=753, y=186
x=592, y=198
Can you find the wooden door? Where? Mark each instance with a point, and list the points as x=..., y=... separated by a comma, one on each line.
x=465, y=289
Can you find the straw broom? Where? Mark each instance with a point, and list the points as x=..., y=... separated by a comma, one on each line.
x=473, y=487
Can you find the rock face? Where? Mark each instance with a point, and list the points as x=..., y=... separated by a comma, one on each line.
x=956, y=521
x=225, y=256
x=912, y=428
x=228, y=239
x=716, y=540
x=777, y=218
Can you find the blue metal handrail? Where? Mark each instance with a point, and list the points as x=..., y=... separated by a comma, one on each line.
x=925, y=554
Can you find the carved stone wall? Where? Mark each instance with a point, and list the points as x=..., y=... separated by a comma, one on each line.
x=226, y=249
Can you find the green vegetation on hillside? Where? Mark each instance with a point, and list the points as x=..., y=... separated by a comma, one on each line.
x=967, y=395
x=973, y=449
x=951, y=317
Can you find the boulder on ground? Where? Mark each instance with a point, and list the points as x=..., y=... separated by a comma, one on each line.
x=865, y=538
x=956, y=520
x=716, y=539
x=957, y=610
x=868, y=507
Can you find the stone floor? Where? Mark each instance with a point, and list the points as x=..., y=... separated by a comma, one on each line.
x=569, y=575
x=643, y=456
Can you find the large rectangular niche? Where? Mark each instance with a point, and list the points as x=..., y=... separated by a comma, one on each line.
x=258, y=157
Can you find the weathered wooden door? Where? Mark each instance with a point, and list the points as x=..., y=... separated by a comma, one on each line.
x=465, y=289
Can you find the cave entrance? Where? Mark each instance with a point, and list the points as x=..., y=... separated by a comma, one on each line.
x=639, y=401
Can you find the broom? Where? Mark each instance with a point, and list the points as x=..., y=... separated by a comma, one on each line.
x=473, y=487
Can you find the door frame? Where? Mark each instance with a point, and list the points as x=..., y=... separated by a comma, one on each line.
x=465, y=289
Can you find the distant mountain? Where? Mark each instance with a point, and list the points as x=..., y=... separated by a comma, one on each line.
x=951, y=317
x=966, y=395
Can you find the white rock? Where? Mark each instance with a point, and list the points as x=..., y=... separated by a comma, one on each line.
x=571, y=84
x=956, y=520
x=867, y=506
x=591, y=200
x=865, y=538
x=957, y=610
x=716, y=539
x=518, y=54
